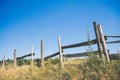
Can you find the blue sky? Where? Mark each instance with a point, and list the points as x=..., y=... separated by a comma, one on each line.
x=25, y=22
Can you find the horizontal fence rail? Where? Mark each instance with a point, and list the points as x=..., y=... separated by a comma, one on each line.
x=115, y=56
x=80, y=44
x=78, y=54
x=112, y=56
x=25, y=56
x=52, y=55
x=113, y=36
x=112, y=42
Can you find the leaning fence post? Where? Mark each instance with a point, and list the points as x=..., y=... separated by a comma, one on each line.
x=60, y=53
x=98, y=41
x=104, y=43
x=42, y=53
x=15, y=58
x=3, y=63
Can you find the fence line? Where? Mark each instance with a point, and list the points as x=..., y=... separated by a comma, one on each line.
x=100, y=41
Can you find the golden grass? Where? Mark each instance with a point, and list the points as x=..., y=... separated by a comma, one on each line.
x=81, y=70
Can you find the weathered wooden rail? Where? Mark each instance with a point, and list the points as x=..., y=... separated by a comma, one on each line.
x=78, y=54
x=52, y=55
x=27, y=55
x=113, y=36
x=112, y=42
x=80, y=44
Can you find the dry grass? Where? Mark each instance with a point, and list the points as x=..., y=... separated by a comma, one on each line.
x=91, y=69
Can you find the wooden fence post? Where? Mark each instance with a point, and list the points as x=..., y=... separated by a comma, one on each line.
x=98, y=41
x=31, y=54
x=103, y=42
x=42, y=53
x=60, y=54
x=3, y=63
x=15, y=58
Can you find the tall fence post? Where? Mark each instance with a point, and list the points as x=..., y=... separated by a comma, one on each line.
x=15, y=58
x=42, y=53
x=98, y=41
x=3, y=63
x=103, y=42
x=60, y=54
x=31, y=54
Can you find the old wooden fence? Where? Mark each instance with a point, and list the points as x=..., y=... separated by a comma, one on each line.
x=100, y=40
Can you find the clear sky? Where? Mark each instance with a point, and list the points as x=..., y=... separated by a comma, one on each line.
x=25, y=22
